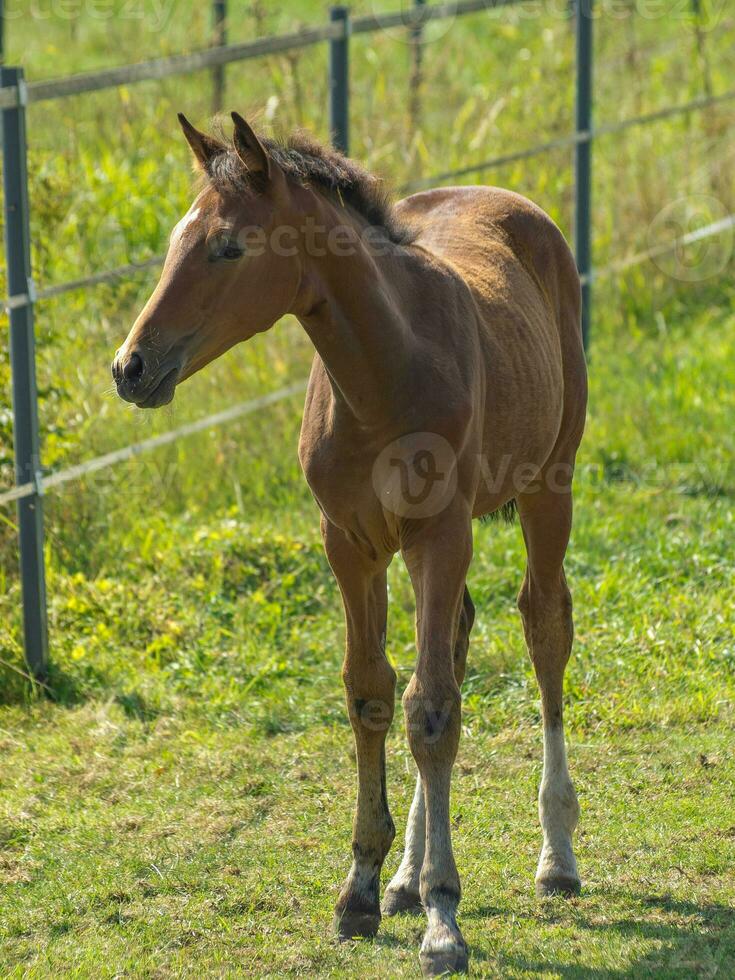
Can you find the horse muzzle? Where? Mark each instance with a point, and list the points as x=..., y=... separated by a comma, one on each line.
x=141, y=383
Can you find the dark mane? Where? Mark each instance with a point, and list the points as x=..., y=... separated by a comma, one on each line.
x=310, y=163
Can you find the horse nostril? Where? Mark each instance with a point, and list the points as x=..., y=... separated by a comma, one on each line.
x=134, y=368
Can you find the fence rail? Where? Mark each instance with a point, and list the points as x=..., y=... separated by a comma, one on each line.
x=186, y=64
x=16, y=95
x=39, y=294
x=44, y=482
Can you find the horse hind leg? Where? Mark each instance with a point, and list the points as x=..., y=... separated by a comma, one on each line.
x=546, y=609
x=402, y=893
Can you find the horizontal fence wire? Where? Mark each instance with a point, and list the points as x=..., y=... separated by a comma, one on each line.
x=416, y=16
x=184, y=64
x=97, y=278
x=159, y=68
x=694, y=105
x=532, y=151
x=606, y=129
x=665, y=248
x=241, y=409
x=246, y=408
x=572, y=139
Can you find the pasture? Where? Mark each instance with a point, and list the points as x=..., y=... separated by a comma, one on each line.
x=178, y=801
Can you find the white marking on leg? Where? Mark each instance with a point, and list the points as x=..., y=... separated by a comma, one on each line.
x=406, y=878
x=558, y=810
x=443, y=948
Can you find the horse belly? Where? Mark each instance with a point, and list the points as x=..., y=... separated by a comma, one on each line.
x=521, y=429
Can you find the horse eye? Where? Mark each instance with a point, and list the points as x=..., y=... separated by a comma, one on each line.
x=231, y=251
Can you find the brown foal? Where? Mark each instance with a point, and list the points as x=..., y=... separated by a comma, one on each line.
x=449, y=381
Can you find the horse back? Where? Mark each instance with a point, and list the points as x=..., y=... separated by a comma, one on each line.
x=524, y=281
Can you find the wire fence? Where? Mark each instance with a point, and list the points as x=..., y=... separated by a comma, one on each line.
x=16, y=95
x=479, y=167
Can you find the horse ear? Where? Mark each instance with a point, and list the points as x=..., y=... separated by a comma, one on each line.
x=249, y=148
x=203, y=147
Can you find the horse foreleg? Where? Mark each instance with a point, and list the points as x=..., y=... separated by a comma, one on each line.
x=402, y=894
x=369, y=682
x=437, y=559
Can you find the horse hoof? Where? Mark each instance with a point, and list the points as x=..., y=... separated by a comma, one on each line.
x=444, y=963
x=444, y=959
x=558, y=885
x=400, y=899
x=351, y=925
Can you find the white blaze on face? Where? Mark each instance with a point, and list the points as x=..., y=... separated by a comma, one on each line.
x=186, y=222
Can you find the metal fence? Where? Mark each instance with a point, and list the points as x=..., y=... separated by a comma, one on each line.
x=16, y=95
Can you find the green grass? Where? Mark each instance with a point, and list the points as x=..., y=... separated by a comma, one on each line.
x=184, y=808
x=178, y=801
x=175, y=852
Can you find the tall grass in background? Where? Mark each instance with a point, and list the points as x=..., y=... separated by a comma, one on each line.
x=110, y=175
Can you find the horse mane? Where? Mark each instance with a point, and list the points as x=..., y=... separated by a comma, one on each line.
x=312, y=164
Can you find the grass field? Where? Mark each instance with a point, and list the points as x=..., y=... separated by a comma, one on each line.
x=184, y=810
x=178, y=801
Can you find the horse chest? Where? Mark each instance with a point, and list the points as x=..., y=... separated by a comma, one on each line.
x=340, y=478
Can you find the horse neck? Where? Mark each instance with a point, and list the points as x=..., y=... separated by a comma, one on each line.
x=352, y=304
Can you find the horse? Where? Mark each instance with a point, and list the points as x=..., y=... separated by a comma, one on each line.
x=448, y=384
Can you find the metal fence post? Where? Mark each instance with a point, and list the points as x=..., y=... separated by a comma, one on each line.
x=339, y=81
x=583, y=159
x=23, y=365
x=417, y=50
x=219, y=24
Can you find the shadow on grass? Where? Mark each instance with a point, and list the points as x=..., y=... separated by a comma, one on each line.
x=701, y=946
x=17, y=687
x=57, y=686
